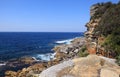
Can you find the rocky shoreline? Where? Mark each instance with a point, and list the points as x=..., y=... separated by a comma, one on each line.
x=28, y=66
x=68, y=63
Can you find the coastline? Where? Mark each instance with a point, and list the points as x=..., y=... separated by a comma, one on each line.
x=95, y=55
x=30, y=63
x=30, y=43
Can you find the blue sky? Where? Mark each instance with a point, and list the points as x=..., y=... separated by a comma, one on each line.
x=45, y=15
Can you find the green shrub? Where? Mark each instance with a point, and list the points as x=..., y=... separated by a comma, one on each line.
x=101, y=9
x=83, y=52
x=110, y=20
x=118, y=60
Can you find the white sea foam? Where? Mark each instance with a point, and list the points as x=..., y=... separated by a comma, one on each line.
x=68, y=41
x=2, y=64
x=44, y=57
x=65, y=41
x=51, y=56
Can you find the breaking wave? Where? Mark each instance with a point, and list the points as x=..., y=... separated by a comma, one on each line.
x=64, y=41
x=44, y=57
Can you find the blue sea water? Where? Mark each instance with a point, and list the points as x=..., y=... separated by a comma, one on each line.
x=34, y=44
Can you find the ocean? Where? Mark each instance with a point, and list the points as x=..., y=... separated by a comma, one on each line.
x=34, y=44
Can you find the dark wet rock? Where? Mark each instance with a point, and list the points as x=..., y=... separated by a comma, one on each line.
x=17, y=64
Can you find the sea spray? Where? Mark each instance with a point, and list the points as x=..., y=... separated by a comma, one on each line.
x=44, y=57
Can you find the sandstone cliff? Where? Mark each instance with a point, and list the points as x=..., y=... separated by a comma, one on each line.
x=102, y=33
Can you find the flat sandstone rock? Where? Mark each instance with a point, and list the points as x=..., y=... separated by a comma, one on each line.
x=90, y=66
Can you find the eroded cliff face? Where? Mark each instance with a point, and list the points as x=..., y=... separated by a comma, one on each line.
x=91, y=39
x=94, y=40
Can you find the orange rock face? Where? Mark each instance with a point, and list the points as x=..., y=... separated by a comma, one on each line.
x=92, y=50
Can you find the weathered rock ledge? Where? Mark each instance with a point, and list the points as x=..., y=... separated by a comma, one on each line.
x=90, y=66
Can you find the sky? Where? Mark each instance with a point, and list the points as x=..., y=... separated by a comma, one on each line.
x=45, y=15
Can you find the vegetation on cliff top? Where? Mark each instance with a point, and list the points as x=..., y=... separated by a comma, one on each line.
x=109, y=27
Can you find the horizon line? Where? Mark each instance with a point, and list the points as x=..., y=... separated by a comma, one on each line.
x=36, y=32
